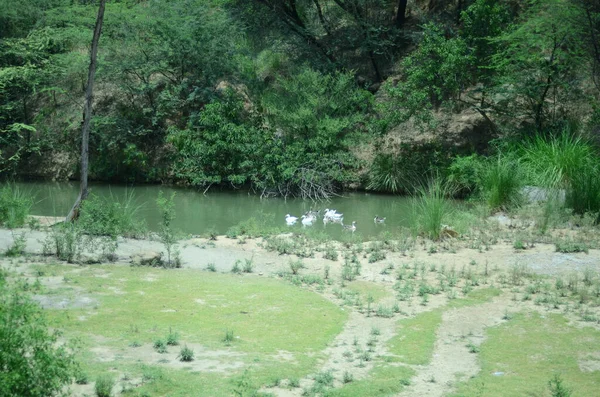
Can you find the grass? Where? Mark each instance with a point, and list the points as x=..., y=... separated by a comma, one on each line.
x=432, y=208
x=204, y=306
x=501, y=182
x=15, y=205
x=365, y=288
x=569, y=162
x=530, y=350
x=384, y=380
x=112, y=216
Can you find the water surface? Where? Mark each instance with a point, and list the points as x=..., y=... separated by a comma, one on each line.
x=197, y=213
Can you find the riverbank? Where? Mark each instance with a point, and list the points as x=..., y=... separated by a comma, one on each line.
x=405, y=318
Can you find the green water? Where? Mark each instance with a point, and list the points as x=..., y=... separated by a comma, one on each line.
x=198, y=213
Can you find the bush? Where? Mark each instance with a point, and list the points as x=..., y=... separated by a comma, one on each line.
x=14, y=206
x=401, y=172
x=568, y=162
x=186, y=354
x=432, y=208
x=104, y=386
x=33, y=363
x=464, y=173
x=110, y=216
x=160, y=346
x=166, y=232
x=501, y=182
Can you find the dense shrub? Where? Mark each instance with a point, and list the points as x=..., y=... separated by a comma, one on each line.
x=14, y=206
x=33, y=363
x=501, y=181
x=408, y=168
x=111, y=216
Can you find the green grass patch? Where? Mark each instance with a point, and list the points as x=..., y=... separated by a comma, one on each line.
x=365, y=289
x=416, y=336
x=529, y=350
x=267, y=316
x=384, y=380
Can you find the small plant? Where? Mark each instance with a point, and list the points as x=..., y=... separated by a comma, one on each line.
x=81, y=378
x=186, y=354
x=519, y=245
x=348, y=377
x=160, y=346
x=18, y=246
x=229, y=337
x=432, y=208
x=166, y=232
x=172, y=338
x=211, y=267
x=236, y=269
x=570, y=246
x=14, y=206
x=472, y=348
x=324, y=379
x=557, y=388
x=248, y=266
x=294, y=382
x=135, y=343
x=104, y=385
x=330, y=253
x=296, y=266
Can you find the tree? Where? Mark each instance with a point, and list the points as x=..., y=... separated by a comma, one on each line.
x=32, y=362
x=539, y=65
x=87, y=115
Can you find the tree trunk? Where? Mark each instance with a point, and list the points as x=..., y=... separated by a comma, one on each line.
x=401, y=14
x=87, y=116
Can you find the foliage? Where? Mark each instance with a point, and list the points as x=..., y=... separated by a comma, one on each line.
x=557, y=388
x=465, y=174
x=410, y=167
x=14, y=206
x=568, y=162
x=433, y=74
x=186, y=354
x=33, y=363
x=166, y=233
x=538, y=64
x=111, y=216
x=501, y=181
x=104, y=385
x=314, y=119
x=432, y=208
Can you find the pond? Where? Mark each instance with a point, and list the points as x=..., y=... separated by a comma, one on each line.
x=197, y=213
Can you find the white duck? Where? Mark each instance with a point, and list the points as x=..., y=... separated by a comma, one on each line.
x=290, y=220
x=307, y=220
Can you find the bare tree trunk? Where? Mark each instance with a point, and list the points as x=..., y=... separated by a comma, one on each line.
x=87, y=116
x=401, y=14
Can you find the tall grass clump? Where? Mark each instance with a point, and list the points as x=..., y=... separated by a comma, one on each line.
x=566, y=162
x=432, y=207
x=501, y=181
x=112, y=216
x=15, y=205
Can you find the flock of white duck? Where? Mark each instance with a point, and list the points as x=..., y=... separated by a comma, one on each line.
x=329, y=216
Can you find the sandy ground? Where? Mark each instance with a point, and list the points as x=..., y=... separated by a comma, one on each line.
x=451, y=360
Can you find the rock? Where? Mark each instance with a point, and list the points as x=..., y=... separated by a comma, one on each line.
x=147, y=258
x=447, y=231
x=535, y=194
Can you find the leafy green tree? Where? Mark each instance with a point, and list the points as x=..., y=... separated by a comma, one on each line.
x=540, y=63
x=433, y=75
x=221, y=144
x=32, y=362
x=315, y=118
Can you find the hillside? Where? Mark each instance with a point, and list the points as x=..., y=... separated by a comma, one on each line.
x=291, y=97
